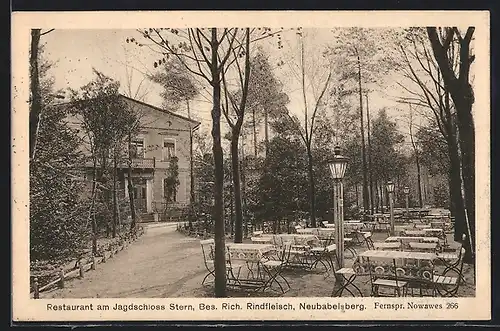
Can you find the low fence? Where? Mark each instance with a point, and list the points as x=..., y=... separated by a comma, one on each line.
x=81, y=267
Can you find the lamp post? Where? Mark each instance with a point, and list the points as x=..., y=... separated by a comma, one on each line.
x=390, y=190
x=338, y=166
x=406, y=191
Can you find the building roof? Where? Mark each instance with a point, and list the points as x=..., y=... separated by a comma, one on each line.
x=163, y=110
x=150, y=106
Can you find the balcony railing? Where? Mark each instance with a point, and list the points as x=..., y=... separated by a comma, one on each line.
x=137, y=163
x=142, y=163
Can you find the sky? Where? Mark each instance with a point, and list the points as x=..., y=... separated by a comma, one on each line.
x=76, y=52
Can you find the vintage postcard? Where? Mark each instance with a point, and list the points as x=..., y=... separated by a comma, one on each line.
x=259, y=165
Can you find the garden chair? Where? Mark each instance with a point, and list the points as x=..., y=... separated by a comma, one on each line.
x=207, y=249
x=273, y=268
x=386, y=275
x=345, y=280
x=367, y=235
x=293, y=255
x=448, y=283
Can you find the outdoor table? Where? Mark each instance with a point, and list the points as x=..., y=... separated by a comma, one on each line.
x=406, y=227
x=248, y=249
x=422, y=226
x=349, y=274
x=387, y=245
x=299, y=239
x=262, y=240
x=406, y=240
x=305, y=231
x=353, y=226
x=325, y=233
x=414, y=233
x=258, y=254
x=433, y=232
x=438, y=224
x=423, y=246
x=329, y=225
x=403, y=255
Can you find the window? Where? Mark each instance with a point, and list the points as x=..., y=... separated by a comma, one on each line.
x=169, y=192
x=137, y=148
x=168, y=149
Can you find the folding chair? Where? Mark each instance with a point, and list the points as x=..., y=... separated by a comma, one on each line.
x=367, y=236
x=293, y=256
x=273, y=269
x=446, y=285
x=386, y=276
x=207, y=248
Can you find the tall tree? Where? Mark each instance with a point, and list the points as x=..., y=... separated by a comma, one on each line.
x=370, y=168
x=313, y=86
x=36, y=97
x=205, y=53
x=58, y=228
x=385, y=140
x=363, y=61
x=237, y=102
x=426, y=91
x=106, y=121
x=460, y=89
x=416, y=153
x=266, y=99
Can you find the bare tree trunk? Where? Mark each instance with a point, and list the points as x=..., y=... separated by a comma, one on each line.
x=36, y=98
x=417, y=162
x=369, y=155
x=357, y=195
x=130, y=188
x=254, y=128
x=191, y=171
x=365, y=180
x=220, y=246
x=312, y=189
x=92, y=206
x=266, y=129
x=419, y=181
x=115, y=202
x=106, y=192
x=462, y=94
x=457, y=202
x=467, y=141
x=382, y=196
x=235, y=167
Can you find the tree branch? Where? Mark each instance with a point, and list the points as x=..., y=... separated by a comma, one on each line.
x=317, y=104
x=46, y=32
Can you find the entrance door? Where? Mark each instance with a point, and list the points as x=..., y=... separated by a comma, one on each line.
x=140, y=195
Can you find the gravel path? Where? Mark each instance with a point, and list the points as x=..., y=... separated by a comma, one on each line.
x=164, y=263
x=161, y=263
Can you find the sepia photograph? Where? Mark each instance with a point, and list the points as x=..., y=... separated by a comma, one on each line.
x=248, y=162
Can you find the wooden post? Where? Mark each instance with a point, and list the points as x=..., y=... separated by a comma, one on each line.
x=104, y=257
x=94, y=262
x=80, y=266
x=36, y=294
x=61, y=280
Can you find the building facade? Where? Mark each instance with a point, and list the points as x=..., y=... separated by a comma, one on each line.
x=162, y=136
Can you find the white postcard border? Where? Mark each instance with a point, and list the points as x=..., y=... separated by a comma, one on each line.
x=26, y=309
